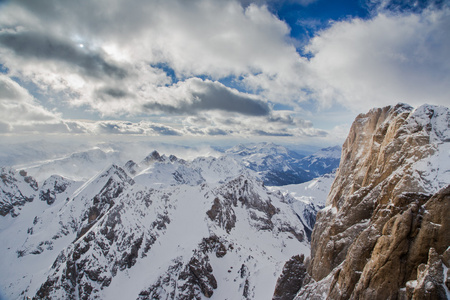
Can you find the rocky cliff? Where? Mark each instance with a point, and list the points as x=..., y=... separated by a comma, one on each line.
x=384, y=233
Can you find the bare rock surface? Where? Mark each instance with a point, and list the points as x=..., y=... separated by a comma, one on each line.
x=388, y=207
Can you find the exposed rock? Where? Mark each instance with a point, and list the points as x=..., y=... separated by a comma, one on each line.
x=16, y=189
x=222, y=213
x=291, y=279
x=153, y=237
x=131, y=167
x=166, y=286
x=430, y=280
x=52, y=187
x=152, y=158
x=389, y=204
x=197, y=275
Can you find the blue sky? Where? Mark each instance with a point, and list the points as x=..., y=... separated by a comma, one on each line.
x=293, y=71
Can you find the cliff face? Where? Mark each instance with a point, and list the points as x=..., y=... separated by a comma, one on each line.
x=387, y=219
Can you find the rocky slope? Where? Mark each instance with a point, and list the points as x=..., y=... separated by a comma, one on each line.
x=16, y=189
x=161, y=229
x=384, y=233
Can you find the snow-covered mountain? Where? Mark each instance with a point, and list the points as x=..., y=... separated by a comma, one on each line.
x=322, y=162
x=279, y=166
x=16, y=189
x=163, y=228
x=307, y=198
x=76, y=166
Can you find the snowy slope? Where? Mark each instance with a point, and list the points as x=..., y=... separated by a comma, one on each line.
x=324, y=161
x=307, y=198
x=277, y=165
x=190, y=229
x=78, y=166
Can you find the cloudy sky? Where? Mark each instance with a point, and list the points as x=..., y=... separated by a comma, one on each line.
x=297, y=71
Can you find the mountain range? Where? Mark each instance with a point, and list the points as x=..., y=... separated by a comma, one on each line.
x=228, y=227
x=162, y=228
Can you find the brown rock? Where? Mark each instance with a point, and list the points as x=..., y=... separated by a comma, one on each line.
x=380, y=221
x=291, y=279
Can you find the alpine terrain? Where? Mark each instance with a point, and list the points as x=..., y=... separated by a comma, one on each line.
x=277, y=165
x=235, y=226
x=384, y=233
x=161, y=228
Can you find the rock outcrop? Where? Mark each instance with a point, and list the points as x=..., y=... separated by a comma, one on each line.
x=388, y=207
x=16, y=189
x=291, y=279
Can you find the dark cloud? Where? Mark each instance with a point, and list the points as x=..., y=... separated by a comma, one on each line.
x=35, y=45
x=112, y=92
x=215, y=96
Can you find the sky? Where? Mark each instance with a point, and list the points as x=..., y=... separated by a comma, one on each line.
x=188, y=71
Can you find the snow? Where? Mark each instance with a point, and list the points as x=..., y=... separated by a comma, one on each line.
x=184, y=199
x=445, y=271
x=178, y=194
x=314, y=191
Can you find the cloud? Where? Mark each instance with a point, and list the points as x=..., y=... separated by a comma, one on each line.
x=172, y=63
x=41, y=43
x=406, y=5
x=277, y=124
x=17, y=106
x=130, y=128
x=194, y=95
x=387, y=59
x=39, y=46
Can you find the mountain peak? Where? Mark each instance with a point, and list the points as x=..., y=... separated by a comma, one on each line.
x=154, y=156
x=16, y=189
x=375, y=231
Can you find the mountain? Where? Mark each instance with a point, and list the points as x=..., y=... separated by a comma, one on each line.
x=307, y=199
x=165, y=228
x=324, y=161
x=384, y=233
x=16, y=189
x=78, y=166
x=276, y=165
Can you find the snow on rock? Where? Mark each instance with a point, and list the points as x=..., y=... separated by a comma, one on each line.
x=206, y=228
x=277, y=166
x=387, y=207
x=16, y=189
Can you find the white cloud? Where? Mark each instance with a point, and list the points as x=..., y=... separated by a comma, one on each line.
x=390, y=58
x=279, y=123
x=18, y=107
x=132, y=47
x=201, y=37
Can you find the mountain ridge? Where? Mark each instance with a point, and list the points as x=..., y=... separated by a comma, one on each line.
x=86, y=238
x=387, y=214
